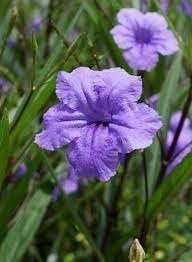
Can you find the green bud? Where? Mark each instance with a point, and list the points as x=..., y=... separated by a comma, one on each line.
x=34, y=43
x=14, y=12
x=136, y=253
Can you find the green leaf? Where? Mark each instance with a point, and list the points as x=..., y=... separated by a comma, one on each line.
x=14, y=194
x=41, y=95
x=4, y=144
x=168, y=89
x=73, y=209
x=41, y=76
x=164, y=108
x=7, y=28
x=103, y=28
x=178, y=177
x=20, y=235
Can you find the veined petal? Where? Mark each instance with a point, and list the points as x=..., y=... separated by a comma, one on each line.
x=135, y=127
x=123, y=37
x=75, y=89
x=130, y=17
x=166, y=43
x=121, y=85
x=94, y=154
x=142, y=57
x=62, y=125
x=154, y=21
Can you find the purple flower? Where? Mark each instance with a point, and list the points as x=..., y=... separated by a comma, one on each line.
x=36, y=175
x=183, y=145
x=11, y=42
x=99, y=117
x=164, y=5
x=69, y=185
x=35, y=24
x=186, y=7
x=5, y=86
x=153, y=100
x=144, y=5
x=18, y=174
x=142, y=37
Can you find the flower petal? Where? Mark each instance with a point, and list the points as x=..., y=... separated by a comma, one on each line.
x=121, y=85
x=142, y=57
x=154, y=21
x=94, y=154
x=75, y=89
x=135, y=126
x=123, y=37
x=62, y=125
x=130, y=17
x=166, y=43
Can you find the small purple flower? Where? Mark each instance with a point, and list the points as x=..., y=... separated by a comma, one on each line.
x=153, y=100
x=142, y=37
x=183, y=145
x=18, y=174
x=144, y=5
x=11, y=42
x=35, y=24
x=36, y=175
x=164, y=5
x=186, y=7
x=99, y=117
x=69, y=185
x=5, y=86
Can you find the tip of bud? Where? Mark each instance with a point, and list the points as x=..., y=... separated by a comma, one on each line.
x=14, y=12
x=136, y=253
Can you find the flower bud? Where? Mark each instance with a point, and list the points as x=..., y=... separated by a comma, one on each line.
x=14, y=12
x=136, y=253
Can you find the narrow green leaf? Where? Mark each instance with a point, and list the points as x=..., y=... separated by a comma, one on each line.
x=97, y=18
x=14, y=194
x=72, y=207
x=41, y=95
x=178, y=177
x=168, y=90
x=4, y=144
x=8, y=28
x=164, y=109
x=20, y=235
x=41, y=76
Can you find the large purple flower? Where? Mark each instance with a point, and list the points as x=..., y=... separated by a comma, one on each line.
x=142, y=37
x=99, y=117
x=184, y=145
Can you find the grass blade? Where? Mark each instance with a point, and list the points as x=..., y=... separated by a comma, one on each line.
x=181, y=174
x=4, y=144
x=19, y=237
x=164, y=109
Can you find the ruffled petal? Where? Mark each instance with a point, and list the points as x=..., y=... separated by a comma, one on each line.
x=154, y=21
x=62, y=125
x=94, y=154
x=75, y=89
x=121, y=85
x=135, y=127
x=123, y=37
x=130, y=18
x=142, y=57
x=166, y=43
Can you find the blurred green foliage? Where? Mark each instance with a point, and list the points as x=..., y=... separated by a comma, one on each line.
x=32, y=227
